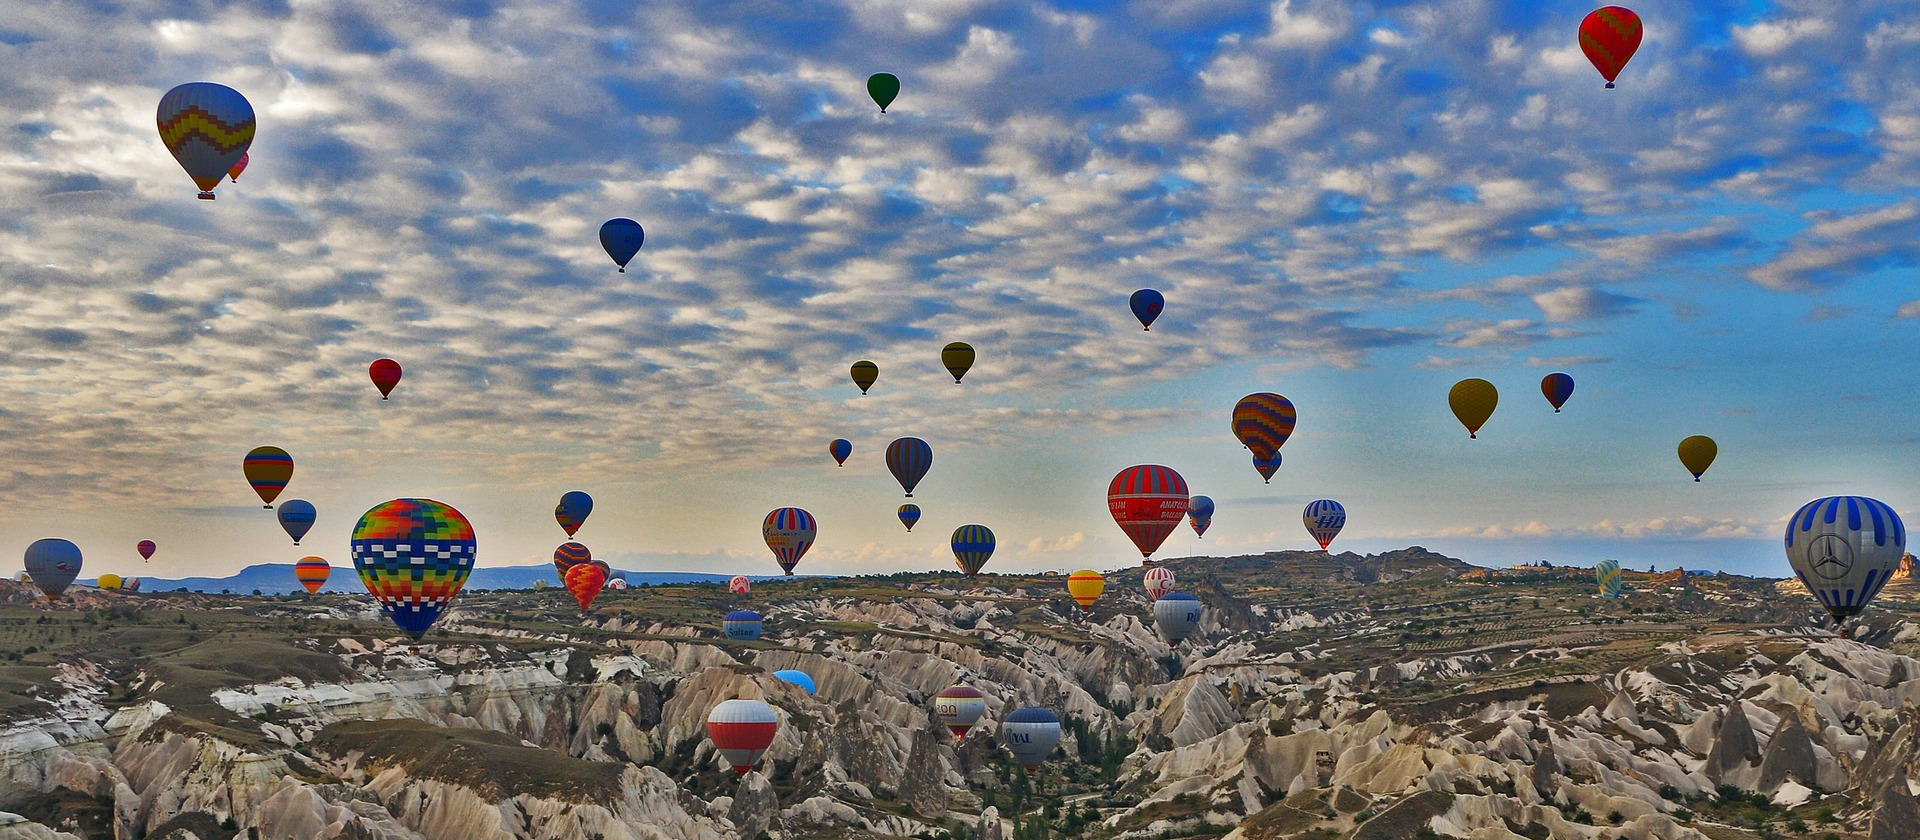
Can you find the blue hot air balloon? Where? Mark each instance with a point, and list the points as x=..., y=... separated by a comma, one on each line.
x=1557, y=387
x=1844, y=549
x=1031, y=733
x=909, y=514
x=840, y=448
x=909, y=458
x=1147, y=304
x=296, y=517
x=622, y=239
x=972, y=546
x=1177, y=614
x=741, y=625
x=1324, y=518
x=799, y=678
x=1200, y=514
x=53, y=564
x=572, y=511
x=1607, y=573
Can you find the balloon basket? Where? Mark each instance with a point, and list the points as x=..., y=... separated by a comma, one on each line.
x=207, y=196
x=1609, y=86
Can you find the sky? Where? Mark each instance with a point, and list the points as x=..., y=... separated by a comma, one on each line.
x=1351, y=204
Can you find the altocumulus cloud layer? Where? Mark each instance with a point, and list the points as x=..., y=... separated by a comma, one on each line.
x=1314, y=183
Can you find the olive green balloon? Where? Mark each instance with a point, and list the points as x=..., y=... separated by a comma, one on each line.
x=1697, y=453
x=883, y=87
x=865, y=373
x=1472, y=401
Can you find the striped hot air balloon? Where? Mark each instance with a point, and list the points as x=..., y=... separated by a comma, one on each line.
x=413, y=555
x=865, y=373
x=296, y=518
x=1147, y=502
x=789, y=532
x=958, y=708
x=1844, y=549
x=268, y=469
x=1324, y=518
x=909, y=458
x=312, y=572
x=958, y=358
x=1200, y=514
x=1607, y=574
x=207, y=127
x=909, y=514
x=1266, y=467
x=742, y=625
x=1556, y=387
x=1158, y=582
x=972, y=545
x=741, y=730
x=569, y=555
x=1031, y=733
x=1085, y=586
x=1263, y=422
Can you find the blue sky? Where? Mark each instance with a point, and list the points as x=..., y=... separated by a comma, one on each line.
x=1354, y=205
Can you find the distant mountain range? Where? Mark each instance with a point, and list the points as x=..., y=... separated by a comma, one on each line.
x=272, y=578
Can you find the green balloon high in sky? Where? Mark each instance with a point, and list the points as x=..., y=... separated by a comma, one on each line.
x=883, y=87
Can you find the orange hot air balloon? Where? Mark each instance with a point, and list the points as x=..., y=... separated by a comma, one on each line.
x=312, y=573
x=585, y=581
x=1085, y=586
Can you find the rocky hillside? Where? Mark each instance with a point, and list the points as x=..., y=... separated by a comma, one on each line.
x=1388, y=696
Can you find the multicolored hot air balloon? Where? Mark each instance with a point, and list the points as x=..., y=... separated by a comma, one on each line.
x=1200, y=514
x=741, y=625
x=1607, y=574
x=584, y=582
x=909, y=514
x=207, y=127
x=233, y=175
x=1844, y=549
x=972, y=545
x=909, y=458
x=840, y=448
x=1263, y=422
x=789, y=532
x=296, y=518
x=1147, y=502
x=1557, y=387
x=1697, y=453
x=1473, y=401
x=1177, y=614
x=1031, y=733
x=569, y=555
x=53, y=564
x=622, y=238
x=958, y=708
x=1158, y=582
x=1085, y=586
x=799, y=678
x=1609, y=36
x=573, y=510
x=385, y=374
x=865, y=373
x=741, y=730
x=1324, y=518
x=740, y=585
x=146, y=549
x=1146, y=305
x=1266, y=467
x=268, y=469
x=883, y=87
x=312, y=572
x=958, y=357
x=413, y=555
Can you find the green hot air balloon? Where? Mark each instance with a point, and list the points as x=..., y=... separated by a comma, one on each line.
x=883, y=87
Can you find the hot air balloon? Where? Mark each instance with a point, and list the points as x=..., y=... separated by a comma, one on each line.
x=207, y=127
x=741, y=730
x=972, y=545
x=1031, y=733
x=268, y=469
x=1607, y=574
x=385, y=374
x=1557, y=387
x=865, y=373
x=1147, y=501
x=1697, y=453
x=239, y=166
x=1200, y=514
x=413, y=555
x=789, y=532
x=584, y=582
x=883, y=87
x=1177, y=614
x=108, y=581
x=569, y=555
x=312, y=572
x=958, y=357
x=572, y=511
x=1266, y=467
x=132, y=585
x=909, y=458
x=296, y=518
x=741, y=625
x=958, y=708
x=799, y=678
x=146, y=549
x=1609, y=36
x=622, y=239
x=1263, y=422
x=1158, y=582
x=1473, y=401
x=1146, y=305
x=909, y=514
x=740, y=585
x=1844, y=549
x=840, y=448
x=1324, y=518
x=1085, y=586
x=617, y=584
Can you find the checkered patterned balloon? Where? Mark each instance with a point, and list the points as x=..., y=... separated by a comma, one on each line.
x=413, y=555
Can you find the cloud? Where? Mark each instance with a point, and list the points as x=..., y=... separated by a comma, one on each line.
x=1582, y=303
x=1910, y=309
x=1838, y=246
x=1683, y=527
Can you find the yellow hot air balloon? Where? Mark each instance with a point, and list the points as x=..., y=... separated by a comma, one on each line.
x=958, y=357
x=109, y=581
x=865, y=373
x=1696, y=454
x=1473, y=401
x=1085, y=586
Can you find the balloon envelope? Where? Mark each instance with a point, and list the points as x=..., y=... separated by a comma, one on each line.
x=799, y=678
x=740, y=585
x=741, y=730
x=572, y=511
x=909, y=458
x=958, y=357
x=622, y=239
x=1085, y=586
x=1609, y=36
x=1146, y=305
x=1697, y=454
x=840, y=448
x=1844, y=549
x=789, y=532
x=108, y=581
x=1324, y=518
x=1263, y=422
x=1177, y=614
x=296, y=518
x=1147, y=501
x=883, y=87
x=1200, y=514
x=413, y=555
x=1266, y=467
x=741, y=625
x=1158, y=582
x=972, y=545
x=865, y=373
x=385, y=374
x=569, y=555
x=312, y=572
x=584, y=582
x=1607, y=574
x=1031, y=733
x=268, y=469
x=207, y=127
x=1557, y=387
x=909, y=514
x=239, y=166
x=1473, y=401
x=146, y=549
x=958, y=708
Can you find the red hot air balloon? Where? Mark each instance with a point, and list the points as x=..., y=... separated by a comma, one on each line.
x=740, y=585
x=146, y=549
x=1609, y=36
x=585, y=581
x=741, y=731
x=385, y=374
x=239, y=166
x=1147, y=501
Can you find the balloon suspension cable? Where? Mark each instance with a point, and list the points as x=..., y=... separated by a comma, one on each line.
x=207, y=196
